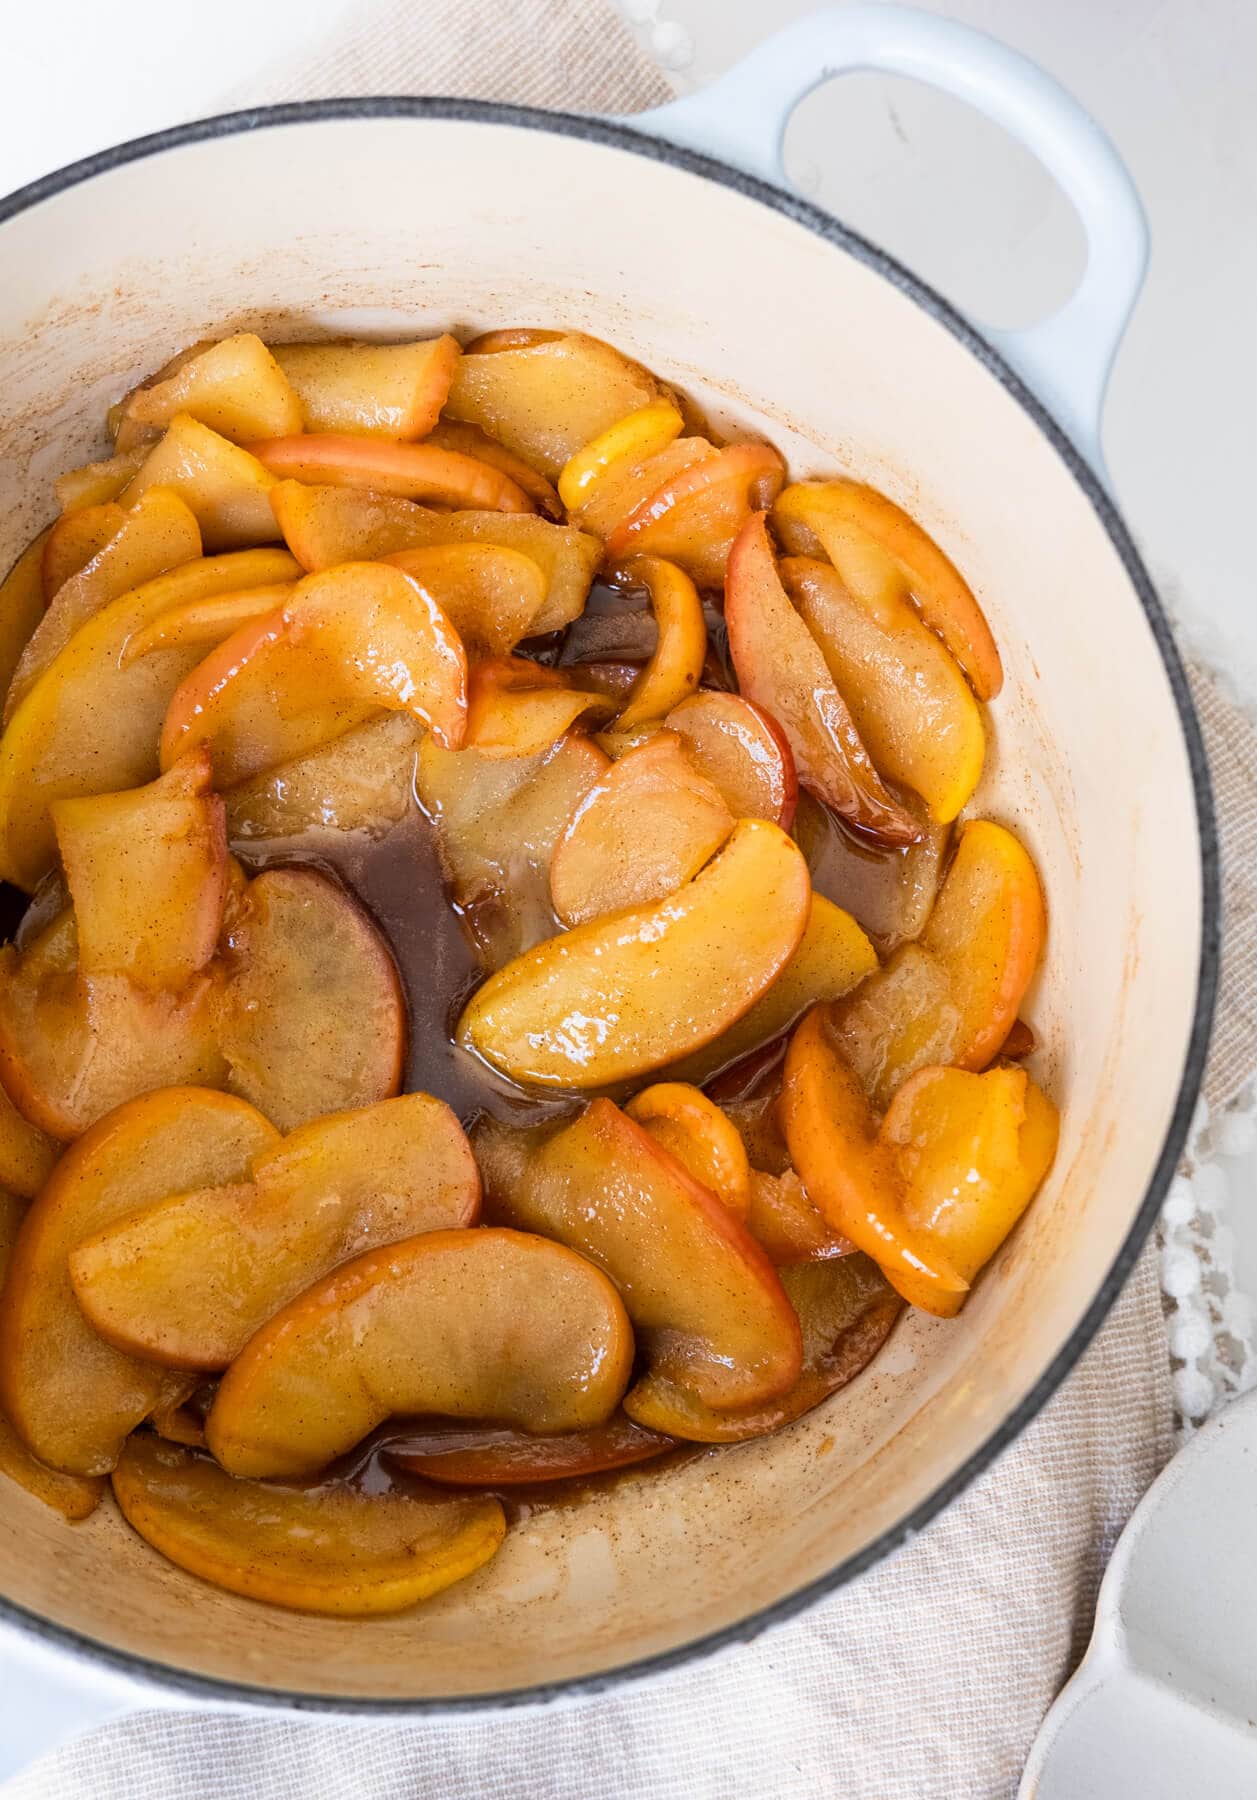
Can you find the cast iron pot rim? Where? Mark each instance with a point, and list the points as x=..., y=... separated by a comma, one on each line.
x=623, y=137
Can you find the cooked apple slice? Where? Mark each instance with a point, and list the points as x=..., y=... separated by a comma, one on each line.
x=890, y=889
x=21, y=607
x=158, y=533
x=705, y=1300
x=227, y=489
x=832, y=958
x=469, y=440
x=490, y=1456
x=485, y=1324
x=72, y=1048
x=548, y=396
x=312, y=1018
x=1020, y=1042
x=510, y=337
x=361, y=781
x=851, y=1173
x=693, y=518
x=147, y=872
x=644, y=831
x=180, y=1423
x=625, y=993
x=847, y=520
x=411, y=471
x=72, y=1396
x=846, y=1310
x=27, y=1154
x=75, y=540
x=631, y=440
x=236, y=387
x=743, y=750
x=632, y=480
x=973, y=1151
x=518, y=708
x=95, y=483
x=676, y=667
x=911, y=704
x=490, y=594
x=332, y=1549
x=349, y=641
x=188, y=1281
x=696, y=1132
x=371, y=390
x=780, y=667
x=791, y=1229
x=953, y=996
x=201, y=624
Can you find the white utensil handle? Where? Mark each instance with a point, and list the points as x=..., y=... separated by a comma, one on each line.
x=741, y=119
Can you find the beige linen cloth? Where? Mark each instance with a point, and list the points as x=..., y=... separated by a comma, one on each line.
x=928, y=1678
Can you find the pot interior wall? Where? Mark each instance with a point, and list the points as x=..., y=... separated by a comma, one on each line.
x=393, y=226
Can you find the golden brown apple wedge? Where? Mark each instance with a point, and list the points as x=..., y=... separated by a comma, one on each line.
x=486, y=1324
x=97, y=482
x=469, y=440
x=848, y=520
x=780, y=667
x=491, y=595
x=311, y=1018
x=361, y=781
x=911, y=704
x=890, y=891
x=624, y=994
x=235, y=386
x=72, y=1396
x=952, y=997
x=351, y=640
x=370, y=390
x=21, y=608
x=693, y=518
x=410, y=471
x=644, y=831
x=74, y=540
x=676, y=668
x=743, y=750
x=158, y=533
x=845, y=1309
x=548, y=396
x=201, y=624
x=227, y=489
x=632, y=480
x=704, y=1298
x=518, y=708
x=189, y=1280
x=832, y=958
x=491, y=1456
x=630, y=441
x=27, y=1154
x=331, y=1549
x=791, y=1229
x=147, y=872
x=694, y=1130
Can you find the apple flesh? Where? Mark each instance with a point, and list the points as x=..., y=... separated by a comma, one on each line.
x=743, y=750
x=889, y=890
x=361, y=781
x=27, y=1155
x=97, y=482
x=517, y=708
x=791, y=1229
x=491, y=595
x=490, y=1456
x=694, y=517
x=21, y=608
x=631, y=480
x=235, y=386
x=74, y=541
x=469, y=440
x=226, y=488
x=371, y=390
x=676, y=667
x=625, y=444
x=693, y=1129
x=410, y=471
x=330, y=1549
x=487, y=1324
x=202, y=624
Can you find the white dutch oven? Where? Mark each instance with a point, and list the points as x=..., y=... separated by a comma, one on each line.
x=670, y=236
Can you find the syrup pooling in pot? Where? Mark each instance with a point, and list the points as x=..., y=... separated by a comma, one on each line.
x=510, y=937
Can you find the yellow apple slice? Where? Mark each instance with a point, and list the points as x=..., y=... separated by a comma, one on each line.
x=75, y=540
x=743, y=751
x=236, y=387
x=202, y=624
x=693, y=518
x=791, y=1229
x=331, y=1549
x=95, y=483
x=632, y=439
x=469, y=440
x=631, y=480
x=72, y=1396
x=27, y=1154
x=21, y=608
x=363, y=780
x=486, y=1324
x=371, y=390
x=694, y=1130
x=492, y=1456
x=626, y=993
x=227, y=489
x=490, y=594
x=518, y=708
x=189, y=1280
x=410, y=471
x=676, y=668
x=644, y=831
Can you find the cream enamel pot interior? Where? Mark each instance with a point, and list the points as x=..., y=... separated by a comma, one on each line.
x=402, y=216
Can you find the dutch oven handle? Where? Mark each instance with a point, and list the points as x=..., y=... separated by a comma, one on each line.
x=741, y=119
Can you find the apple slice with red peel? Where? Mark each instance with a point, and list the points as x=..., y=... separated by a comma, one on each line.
x=311, y=1018
x=545, y=396
x=628, y=442
x=72, y=1047
x=411, y=471
x=694, y=1130
x=486, y=1324
x=832, y=958
x=226, y=488
x=624, y=994
x=73, y=1397
x=490, y=594
x=953, y=996
x=97, y=482
x=331, y=1550
x=743, y=750
x=644, y=831
x=205, y=623
x=791, y=1229
x=780, y=667
x=693, y=518
x=490, y=1456
x=21, y=608
x=676, y=667
x=75, y=540
x=469, y=440
x=188, y=1281
x=363, y=780
x=846, y=1310
x=518, y=708
x=846, y=519
x=235, y=386
x=370, y=390
x=704, y=1298
x=635, y=477
x=147, y=872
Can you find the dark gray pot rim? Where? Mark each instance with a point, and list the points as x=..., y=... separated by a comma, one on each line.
x=623, y=137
